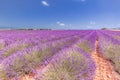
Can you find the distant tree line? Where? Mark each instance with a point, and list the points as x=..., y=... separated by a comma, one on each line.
x=32, y=29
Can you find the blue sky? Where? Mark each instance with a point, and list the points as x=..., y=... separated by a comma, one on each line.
x=60, y=14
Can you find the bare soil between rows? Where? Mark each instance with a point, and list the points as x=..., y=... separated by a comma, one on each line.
x=104, y=69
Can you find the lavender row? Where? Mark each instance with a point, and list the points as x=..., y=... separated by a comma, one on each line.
x=113, y=34
x=110, y=48
x=22, y=45
x=8, y=37
x=70, y=64
x=88, y=42
x=25, y=62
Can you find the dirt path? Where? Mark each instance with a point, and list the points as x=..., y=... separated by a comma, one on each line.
x=104, y=70
x=27, y=77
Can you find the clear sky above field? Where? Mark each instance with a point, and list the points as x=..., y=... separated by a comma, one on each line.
x=60, y=14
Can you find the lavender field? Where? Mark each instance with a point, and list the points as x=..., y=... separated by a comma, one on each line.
x=59, y=55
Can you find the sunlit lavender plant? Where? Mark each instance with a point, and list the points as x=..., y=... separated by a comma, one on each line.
x=70, y=64
x=110, y=49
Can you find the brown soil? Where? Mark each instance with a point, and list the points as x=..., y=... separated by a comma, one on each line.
x=104, y=70
x=27, y=77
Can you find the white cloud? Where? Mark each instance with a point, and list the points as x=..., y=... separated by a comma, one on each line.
x=60, y=24
x=45, y=3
